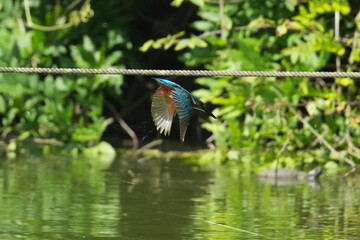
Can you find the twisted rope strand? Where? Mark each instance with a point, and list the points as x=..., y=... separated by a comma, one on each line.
x=159, y=72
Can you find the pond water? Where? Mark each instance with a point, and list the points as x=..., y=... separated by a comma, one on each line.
x=64, y=198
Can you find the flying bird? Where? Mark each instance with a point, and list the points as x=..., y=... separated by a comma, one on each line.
x=171, y=99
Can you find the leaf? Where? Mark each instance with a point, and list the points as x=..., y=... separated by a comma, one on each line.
x=227, y=23
x=115, y=38
x=111, y=59
x=304, y=87
x=183, y=43
x=312, y=109
x=12, y=114
x=176, y=3
x=24, y=135
x=233, y=155
x=345, y=8
x=331, y=167
x=202, y=25
x=49, y=86
x=303, y=11
x=345, y=81
x=198, y=2
x=159, y=43
x=88, y=44
x=2, y=104
x=198, y=42
x=100, y=150
x=92, y=132
x=291, y=4
x=355, y=55
x=341, y=51
x=60, y=84
x=357, y=22
x=148, y=44
x=281, y=30
x=179, y=34
x=85, y=134
x=212, y=16
x=74, y=17
x=169, y=44
x=341, y=106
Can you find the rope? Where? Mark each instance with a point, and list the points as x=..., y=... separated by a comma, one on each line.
x=156, y=72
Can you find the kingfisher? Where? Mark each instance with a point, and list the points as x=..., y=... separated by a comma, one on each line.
x=171, y=99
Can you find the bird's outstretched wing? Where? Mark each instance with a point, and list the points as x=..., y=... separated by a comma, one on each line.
x=162, y=111
x=183, y=108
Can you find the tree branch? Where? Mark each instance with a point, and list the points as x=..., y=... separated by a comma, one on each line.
x=124, y=125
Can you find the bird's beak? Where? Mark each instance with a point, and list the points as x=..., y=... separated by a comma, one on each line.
x=202, y=108
x=210, y=113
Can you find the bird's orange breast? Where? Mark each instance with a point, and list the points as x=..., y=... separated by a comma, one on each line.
x=166, y=90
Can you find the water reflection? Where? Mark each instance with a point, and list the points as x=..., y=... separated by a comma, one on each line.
x=64, y=198
x=280, y=212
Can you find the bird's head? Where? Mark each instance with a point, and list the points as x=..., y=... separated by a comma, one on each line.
x=197, y=104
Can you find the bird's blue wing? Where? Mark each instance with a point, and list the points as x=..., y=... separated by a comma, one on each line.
x=183, y=108
x=162, y=111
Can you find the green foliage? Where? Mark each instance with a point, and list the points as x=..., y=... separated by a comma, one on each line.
x=67, y=108
x=277, y=118
x=173, y=40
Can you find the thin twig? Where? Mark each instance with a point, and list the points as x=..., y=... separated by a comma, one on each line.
x=73, y=5
x=237, y=229
x=353, y=147
x=316, y=141
x=283, y=148
x=337, y=37
x=221, y=13
x=124, y=125
x=353, y=167
x=219, y=224
x=348, y=137
x=48, y=141
x=148, y=146
x=31, y=24
x=209, y=142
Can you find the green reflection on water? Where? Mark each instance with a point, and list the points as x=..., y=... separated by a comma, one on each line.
x=57, y=198
x=302, y=211
x=63, y=198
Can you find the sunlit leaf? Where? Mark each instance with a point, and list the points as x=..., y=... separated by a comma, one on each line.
x=341, y=106
x=74, y=18
x=179, y=34
x=291, y=4
x=148, y=44
x=176, y=3
x=312, y=108
x=183, y=43
x=227, y=23
x=345, y=81
x=198, y=42
x=49, y=86
x=88, y=44
x=198, y=2
x=202, y=25
x=281, y=30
